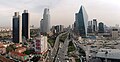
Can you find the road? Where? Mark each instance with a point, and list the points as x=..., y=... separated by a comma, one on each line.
x=55, y=48
x=62, y=53
x=48, y=54
x=95, y=60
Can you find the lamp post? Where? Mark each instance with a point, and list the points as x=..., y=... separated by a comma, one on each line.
x=106, y=56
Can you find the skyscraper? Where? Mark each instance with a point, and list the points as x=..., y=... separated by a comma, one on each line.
x=94, y=25
x=41, y=26
x=45, y=22
x=17, y=28
x=61, y=28
x=25, y=24
x=81, y=22
x=101, y=27
x=90, y=29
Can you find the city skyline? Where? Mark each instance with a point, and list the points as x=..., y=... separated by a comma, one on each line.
x=60, y=31
x=69, y=7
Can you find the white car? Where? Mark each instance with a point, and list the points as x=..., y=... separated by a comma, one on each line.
x=67, y=61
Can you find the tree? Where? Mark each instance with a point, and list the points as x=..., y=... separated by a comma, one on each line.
x=10, y=48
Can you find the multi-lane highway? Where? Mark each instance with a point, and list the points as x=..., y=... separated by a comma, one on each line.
x=62, y=53
x=55, y=48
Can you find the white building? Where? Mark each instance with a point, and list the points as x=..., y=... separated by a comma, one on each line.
x=41, y=44
x=114, y=33
x=111, y=53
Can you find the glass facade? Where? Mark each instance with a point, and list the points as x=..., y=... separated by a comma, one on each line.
x=81, y=22
x=16, y=28
x=25, y=25
x=101, y=27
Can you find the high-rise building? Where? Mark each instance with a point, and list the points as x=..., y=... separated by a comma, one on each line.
x=75, y=27
x=94, y=25
x=25, y=25
x=45, y=22
x=90, y=23
x=101, y=27
x=17, y=28
x=57, y=29
x=61, y=28
x=90, y=29
x=40, y=43
x=53, y=30
x=114, y=33
x=41, y=25
x=81, y=22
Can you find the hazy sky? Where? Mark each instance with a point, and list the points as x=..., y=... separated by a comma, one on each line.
x=61, y=11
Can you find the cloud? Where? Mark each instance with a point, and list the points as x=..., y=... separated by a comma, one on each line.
x=35, y=7
x=61, y=11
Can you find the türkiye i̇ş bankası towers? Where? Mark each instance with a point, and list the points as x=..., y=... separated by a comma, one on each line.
x=17, y=34
x=80, y=24
x=21, y=28
x=25, y=25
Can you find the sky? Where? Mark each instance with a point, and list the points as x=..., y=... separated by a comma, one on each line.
x=61, y=11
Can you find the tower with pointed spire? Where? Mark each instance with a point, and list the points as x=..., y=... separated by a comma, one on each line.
x=81, y=22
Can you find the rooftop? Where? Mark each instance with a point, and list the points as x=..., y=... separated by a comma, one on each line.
x=3, y=59
x=2, y=47
x=112, y=53
x=19, y=54
x=20, y=48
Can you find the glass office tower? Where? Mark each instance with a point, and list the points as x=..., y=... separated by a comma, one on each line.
x=25, y=24
x=17, y=28
x=101, y=27
x=81, y=22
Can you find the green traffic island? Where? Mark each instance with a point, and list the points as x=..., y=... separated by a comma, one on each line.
x=10, y=48
x=71, y=47
x=77, y=60
x=72, y=51
x=82, y=52
x=63, y=37
x=51, y=42
x=28, y=52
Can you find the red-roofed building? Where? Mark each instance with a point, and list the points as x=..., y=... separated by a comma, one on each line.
x=18, y=45
x=20, y=50
x=19, y=56
x=2, y=50
x=1, y=44
x=3, y=59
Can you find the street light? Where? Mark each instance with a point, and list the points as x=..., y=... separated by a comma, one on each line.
x=106, y=56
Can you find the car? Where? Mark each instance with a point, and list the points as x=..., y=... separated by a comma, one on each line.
x=67, y=61
x=49, y=49
x=59, y=61
x=65, y=55
x=10, y=57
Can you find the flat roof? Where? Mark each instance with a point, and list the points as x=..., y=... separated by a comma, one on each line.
x=3, y=59
x=112, y=53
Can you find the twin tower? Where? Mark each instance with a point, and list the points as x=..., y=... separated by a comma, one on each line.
x=21, y=28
